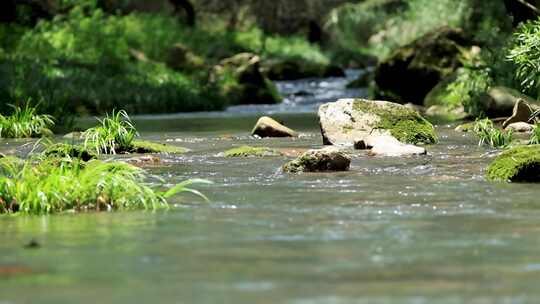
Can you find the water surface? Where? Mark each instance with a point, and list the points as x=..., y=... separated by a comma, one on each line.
x=392, y=230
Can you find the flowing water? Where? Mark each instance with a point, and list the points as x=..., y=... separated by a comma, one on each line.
x=392, y=230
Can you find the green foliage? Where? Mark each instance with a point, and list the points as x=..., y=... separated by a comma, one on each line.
x=380, y=26
x=535, y=136
x=115, y=134
x=25, y=123
x=50, y=186
x=491, y=136
x=525, y=55
x=64, y=150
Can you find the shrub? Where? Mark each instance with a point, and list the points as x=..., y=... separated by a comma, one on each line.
x=53, y=186
x=525, y=54
x=25, y=123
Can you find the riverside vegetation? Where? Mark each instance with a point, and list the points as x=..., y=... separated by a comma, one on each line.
x=90, y=60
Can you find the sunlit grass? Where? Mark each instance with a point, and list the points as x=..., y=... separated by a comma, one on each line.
x=115, y=134
x=68, y=184
x=489, y=135
x=25, y=123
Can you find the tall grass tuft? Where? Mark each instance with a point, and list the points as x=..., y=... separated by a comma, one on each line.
x=115, y=134
x=489, y=135
x=58, y=185
x=25, y=123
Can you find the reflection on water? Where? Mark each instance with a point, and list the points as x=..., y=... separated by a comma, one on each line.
x=417, y=230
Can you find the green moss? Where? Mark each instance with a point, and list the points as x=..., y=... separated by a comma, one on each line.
x=403, y=123
x=62, y=150
x=519, y=164
x=248, y=151
x=466, y=127
x=142, y=146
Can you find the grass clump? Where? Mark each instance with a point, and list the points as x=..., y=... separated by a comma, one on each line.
x=404, y=124
x=115, y=134
x=56, y=186
x=519, y=164
x=25, y=123
x=248, y=151
x=491, y=136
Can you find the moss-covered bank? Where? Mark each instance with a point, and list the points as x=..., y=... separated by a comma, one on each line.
x=519, y=164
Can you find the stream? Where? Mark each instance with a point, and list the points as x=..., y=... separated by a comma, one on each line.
x=426, y=229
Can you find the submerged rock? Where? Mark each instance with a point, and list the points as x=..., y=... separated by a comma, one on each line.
x=248, y=151
x=298, y=68
x=322, y=160
x=349, y=120
x=142, y=146
x=239, y=80
x=386, y=145
x=466, y=127
x=413, y=70
x=143, y=160
x=520, y=127
x=268, y=127
x=519, y=164
x=501, y=101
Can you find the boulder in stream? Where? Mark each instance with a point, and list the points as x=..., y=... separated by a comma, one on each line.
x=387, y=145
x=321, y=160
x=349, y=120
x=519, y=164
x=268, y=127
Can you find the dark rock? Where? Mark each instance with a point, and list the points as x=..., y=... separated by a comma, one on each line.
x=412, y=71
x=323, y=160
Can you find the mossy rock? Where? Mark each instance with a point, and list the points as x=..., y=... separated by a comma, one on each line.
x=349, y=120
x=62, y=150
x=413, y=70
x=248, y=151
x=142, y=146
x=239, y=80
x=519, y=164
x=404, y=124
x=329, y=159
